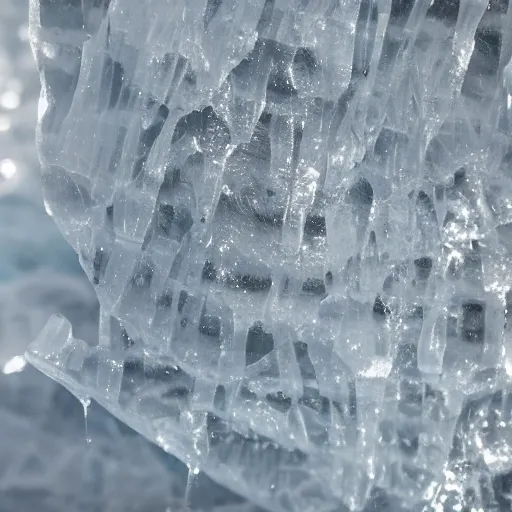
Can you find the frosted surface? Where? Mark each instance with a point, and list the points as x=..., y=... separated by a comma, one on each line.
x=297, y=218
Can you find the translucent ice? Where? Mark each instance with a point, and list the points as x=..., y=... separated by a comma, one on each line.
x=297, y=217
x=46, y=464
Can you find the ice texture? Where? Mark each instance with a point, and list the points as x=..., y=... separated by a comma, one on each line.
x=297, y=216
x=47, y=465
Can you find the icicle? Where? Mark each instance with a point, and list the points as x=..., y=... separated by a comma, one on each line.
x=192, y=485
x=86, y=403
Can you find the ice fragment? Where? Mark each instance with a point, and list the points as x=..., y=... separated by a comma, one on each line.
x=296, y=216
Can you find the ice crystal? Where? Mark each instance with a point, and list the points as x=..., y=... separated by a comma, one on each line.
x=297, y=215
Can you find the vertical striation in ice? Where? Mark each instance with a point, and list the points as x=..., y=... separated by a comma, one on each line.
x=297, y=215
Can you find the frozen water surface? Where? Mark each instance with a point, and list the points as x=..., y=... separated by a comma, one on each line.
x=297, y=218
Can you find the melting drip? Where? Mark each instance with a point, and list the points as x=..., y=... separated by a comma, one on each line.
x=86, y=403
x=192, y=484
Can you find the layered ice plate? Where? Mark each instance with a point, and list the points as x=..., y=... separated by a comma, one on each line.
x=297, y=216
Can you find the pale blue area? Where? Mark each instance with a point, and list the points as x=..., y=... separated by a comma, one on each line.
x=30, y=241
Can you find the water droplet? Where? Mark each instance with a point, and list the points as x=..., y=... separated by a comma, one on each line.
x=23, y=33
x=10, y=100
x=5, y=123
x=14, y=365
x=7, y=169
